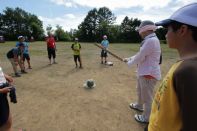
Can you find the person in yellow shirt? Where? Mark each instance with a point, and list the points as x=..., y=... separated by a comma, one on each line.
x=76, y=47
x=174, y=107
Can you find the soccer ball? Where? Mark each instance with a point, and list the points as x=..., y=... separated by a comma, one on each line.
x=89, y=84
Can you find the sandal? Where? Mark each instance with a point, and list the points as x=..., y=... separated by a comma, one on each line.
x=141, y=119
x=136, y=107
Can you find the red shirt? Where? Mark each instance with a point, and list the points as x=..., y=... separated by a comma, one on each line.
x=51, y=42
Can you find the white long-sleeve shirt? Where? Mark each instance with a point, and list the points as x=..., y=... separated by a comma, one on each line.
x=147, y=59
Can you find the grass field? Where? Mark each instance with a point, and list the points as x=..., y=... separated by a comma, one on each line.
x=52, y=98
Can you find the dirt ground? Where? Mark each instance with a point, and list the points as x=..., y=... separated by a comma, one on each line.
x=52, y=97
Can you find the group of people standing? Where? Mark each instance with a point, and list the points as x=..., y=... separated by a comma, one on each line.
x=174, y=107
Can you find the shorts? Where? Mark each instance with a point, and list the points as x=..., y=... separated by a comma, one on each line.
x=103, y=53
x=77, y=57
x=4, y=109
x=51, y=53
x=26, y=56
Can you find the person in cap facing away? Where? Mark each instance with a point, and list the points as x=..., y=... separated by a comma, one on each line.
x=15, y=56
x=174, y=106
x=105, y=45
x=76, y=47
x=26, y=55
x=51, y=48
x=148, y=69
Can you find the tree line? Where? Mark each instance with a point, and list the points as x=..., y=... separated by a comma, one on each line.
x=98, y=22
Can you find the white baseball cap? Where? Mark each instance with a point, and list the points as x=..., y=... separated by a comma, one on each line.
x=104, y=36
x=20, y=37
x=76, y=39
x=186, y=15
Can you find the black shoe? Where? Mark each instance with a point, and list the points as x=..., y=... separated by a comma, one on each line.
x=23, y=72
x=17, y=75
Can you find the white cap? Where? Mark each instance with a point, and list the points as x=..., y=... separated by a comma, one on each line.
x=104, y=36
x=186, y=15
x=76, y=39
x=145, y=26
x=20, y=37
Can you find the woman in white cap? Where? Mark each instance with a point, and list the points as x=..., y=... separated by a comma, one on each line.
x=148, y=72
x=174, y=107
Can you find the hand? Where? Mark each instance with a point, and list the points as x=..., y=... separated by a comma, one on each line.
x=9, y=78
x=5, y=90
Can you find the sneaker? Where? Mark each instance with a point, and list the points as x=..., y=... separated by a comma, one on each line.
x=136, y=107
x=23, y=72
x=101, y=62
x=17, y=75
x=54, y=62
x=30, y=67
x=141, y=119
x=80, y=67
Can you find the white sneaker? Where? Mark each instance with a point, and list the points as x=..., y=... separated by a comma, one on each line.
x=136, y=107
x=141, y=118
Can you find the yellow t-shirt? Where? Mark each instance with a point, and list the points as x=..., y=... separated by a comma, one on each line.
x=76, y=48
x=165, y=113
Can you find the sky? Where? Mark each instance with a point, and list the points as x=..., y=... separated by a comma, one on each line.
x=70, y=13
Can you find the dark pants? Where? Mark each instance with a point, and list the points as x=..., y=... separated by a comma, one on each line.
x=51, y=52
x=77, y=57
x=103, y=53
x=26, y=56
x=4, y=109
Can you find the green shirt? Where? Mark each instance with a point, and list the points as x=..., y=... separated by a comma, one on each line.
x=76, y=48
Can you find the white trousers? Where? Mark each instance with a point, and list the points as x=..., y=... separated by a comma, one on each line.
x=145, y=89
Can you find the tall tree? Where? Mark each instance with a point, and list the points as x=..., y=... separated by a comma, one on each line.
x=14, y=22
x=61, y=35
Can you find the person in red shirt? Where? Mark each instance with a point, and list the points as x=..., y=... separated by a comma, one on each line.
x=51, y=48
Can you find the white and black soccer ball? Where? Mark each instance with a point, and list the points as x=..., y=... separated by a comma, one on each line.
x=89, y=84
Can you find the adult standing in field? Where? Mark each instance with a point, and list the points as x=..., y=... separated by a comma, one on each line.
x=51, y=48
x=76, y=47
x=5, y=115
x=174, y=106
x=148, y=69
x=105, y=45
x=15, y=55
x=26, y=55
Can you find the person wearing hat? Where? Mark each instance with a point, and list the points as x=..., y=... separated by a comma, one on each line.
x=76, y=47
x=51, y=48
x=105, y=45
x=15, y=56
x=26, y=55
x=174, y=106
x=148, y=70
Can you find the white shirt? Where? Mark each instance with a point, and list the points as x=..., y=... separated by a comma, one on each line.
x=2, y=77
x=147, y=59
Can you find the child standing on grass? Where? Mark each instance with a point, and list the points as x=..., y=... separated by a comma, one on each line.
x=105, y=45
x=174, y=106
x=76, y=47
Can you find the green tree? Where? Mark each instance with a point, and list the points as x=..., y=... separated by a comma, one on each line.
x=61, y=35
x=14, y=22
x=128, y=30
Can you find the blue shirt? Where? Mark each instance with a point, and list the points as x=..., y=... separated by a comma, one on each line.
x=105, y=43
x=26, y=50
